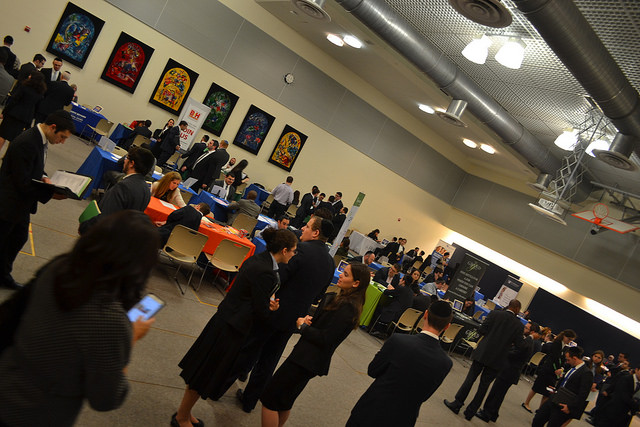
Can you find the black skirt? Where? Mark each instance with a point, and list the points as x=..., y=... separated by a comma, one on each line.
x=544, y=379
x=285, y=386
x=11, y=127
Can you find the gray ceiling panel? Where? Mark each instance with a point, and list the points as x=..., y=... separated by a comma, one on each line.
x=147, y=12
x=558, y=238
x=395, y=148
x=429, y=170
x=630, y=272
x=451, y=183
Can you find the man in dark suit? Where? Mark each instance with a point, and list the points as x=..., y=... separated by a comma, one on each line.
x=401, y=298
x=10, y=64
x=408, y=369
x=207, y=167
x=337, y=203
x=306, y=275
x=367, y=259
x=339, y=219
x=305, y=208
x=190, y=216
x=58, y=95
x=26, y=69
x=228, y=189
x=171, y=142
x=19, y=197
x=53, y=74
x=142, y=128
x=198, y=149
x=509, y=374
x=246, y=206
x=623, y=402
x=501, y=330
x=578, y=380
x=388, y=275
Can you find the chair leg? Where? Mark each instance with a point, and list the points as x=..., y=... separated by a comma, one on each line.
x=175, y=278
x=204, y=270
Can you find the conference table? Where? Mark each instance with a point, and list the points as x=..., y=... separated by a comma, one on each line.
x=159, y=210
x=264, y=221
x=262, y=193
x=261, y=245
x=120, y=132
x=361, y=244
x=373, y=296
x=82, y=117
x=217, y=205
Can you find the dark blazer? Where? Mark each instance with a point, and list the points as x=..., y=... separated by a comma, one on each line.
x=11, y=60
x=171, y=140
x=617, y=410
x=245, y=206
x=58, y=95
x=130, y=193
x=220, y=183
x=23, y=161
x=25, y=70
x=192, y=155
x=22, y=104
x=381, y=277
x=579, y=383
x=219, y=158
x=306, y=275
x=402, y=298
x=46, y=72
x=337, y=206
x=501, y=330
x=305, y=206
x=187, y=216
x=325, y=205
x=516, y=359
x=408, y=369
x=391, y=248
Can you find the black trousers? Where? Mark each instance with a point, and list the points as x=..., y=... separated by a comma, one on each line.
x=276, y=209
x=549, y=414
x=13, y=236
x=487, y=375
x=495, y=397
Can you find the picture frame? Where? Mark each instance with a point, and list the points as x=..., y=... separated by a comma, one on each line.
x=288, y=148
x=253, y=130
x=222, y=102
x=127, y=62
x=173, y=87
x=75, y=35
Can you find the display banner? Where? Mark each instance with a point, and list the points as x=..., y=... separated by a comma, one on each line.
x=346, y=223
x=466, y=279
x=194, y=113
x=508, y=291
x=438, y=253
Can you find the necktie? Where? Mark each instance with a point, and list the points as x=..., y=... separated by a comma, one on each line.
x=566, y=377
x=200, y=158
x=46, y=148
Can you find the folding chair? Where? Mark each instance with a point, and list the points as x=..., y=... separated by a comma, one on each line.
x=244, y=222
x=291, y=211
x=490, y=305
x=139, y=140
x=408, y=321
x=471, y=345
x=534, y=362
x=184, y=245
x=267, y=203
x=449, y=336
x=119, y=151
x=228, y=256
x=102, y=128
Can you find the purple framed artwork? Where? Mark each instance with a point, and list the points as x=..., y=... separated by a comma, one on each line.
x=174, y=87
x=75, y=35
x=288, y=148
x=222, y=103
x=127, y=62
x=254, y=129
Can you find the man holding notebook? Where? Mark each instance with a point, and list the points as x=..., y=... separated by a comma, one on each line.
x=19, y=196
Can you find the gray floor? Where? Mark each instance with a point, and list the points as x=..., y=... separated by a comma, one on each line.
x=156, y=388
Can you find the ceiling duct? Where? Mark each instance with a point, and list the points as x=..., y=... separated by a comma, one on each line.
x=454, y=112
x=618, y=153
x=542, y=183
x=312, y=8
x=490, y=13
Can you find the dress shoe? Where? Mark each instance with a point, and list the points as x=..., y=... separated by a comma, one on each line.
x=175, y=423
x=240, y=396
x=483, y=416
x=468, y=416
x=454, y=406
x=242, y=377
x=526, y=409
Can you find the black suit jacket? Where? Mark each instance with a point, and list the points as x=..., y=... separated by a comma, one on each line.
x=192, y=155
x=305, y=206
x=516, y=359
x=580, y=383
x=10, y=63
x=220, y=183
x=25, y=70
x=23, y=161
x=58, y=95
x=381, y=277
x=219, y=158
x=46, y=72
x=501, y=330
x=22, y=104
x=130, y=193
x=617, y=410
x=171, y=140
x=402, y=298
x=391, y=248
x=187, y=216
x=408, y=369
x=337, y=206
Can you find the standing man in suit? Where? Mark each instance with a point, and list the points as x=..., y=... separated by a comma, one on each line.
x=305, y=208
x=35, y=65
x=338, y=219
x=578, y=380
x=10, y=64
x=401, y=298
x=190, y=216
x=623, y=402
x=501, y=330
x=227, y=186
x=306, y=275
x=210, y=170
x=24, y=160
x=58, y=95
x=282, y=197
x=171, y=142
x=141, y=129
x=6, y=79
x=53, y=74
x=198, y=149
x=337, y=203
x=246, y=206
x=408, y=369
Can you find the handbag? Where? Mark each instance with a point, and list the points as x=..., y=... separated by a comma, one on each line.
x=11, y=311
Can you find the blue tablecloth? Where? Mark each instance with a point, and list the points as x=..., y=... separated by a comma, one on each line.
x=84, y=117
x=218, y=206
x=262, y=193
x=261, y=245
x=263, y=221
x=98, y=162
x=375, y=266
x=120, y=132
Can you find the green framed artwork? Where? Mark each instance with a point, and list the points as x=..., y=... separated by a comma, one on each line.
x=222, y=102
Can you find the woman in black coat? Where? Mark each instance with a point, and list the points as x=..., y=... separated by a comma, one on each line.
x=206, y=366
x=321, y=334
x=21, y=107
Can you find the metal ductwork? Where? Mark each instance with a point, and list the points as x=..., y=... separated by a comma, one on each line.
x=572, y=39
x=403, y=37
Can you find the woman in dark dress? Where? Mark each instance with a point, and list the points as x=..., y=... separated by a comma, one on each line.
x=206, y=366
x=321, y=334
x=21, y=107
x=550, y=368
x=238, y=173
x=374, y=235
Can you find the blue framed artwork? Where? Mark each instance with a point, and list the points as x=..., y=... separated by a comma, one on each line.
x=254, y=129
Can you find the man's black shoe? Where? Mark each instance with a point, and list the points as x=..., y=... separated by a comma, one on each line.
x=468, y=416
x=454, y=406
x=11, y=284
x=483, y=416
x=242, y=377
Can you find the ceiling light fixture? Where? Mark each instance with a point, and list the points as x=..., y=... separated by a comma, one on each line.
x=352, y=41
x=426, y=108
x=511, y=54
x=567, y=140
x=469, y=143
x=335, y=40
x=487, y=149
x=598, y=144
x=478, y=49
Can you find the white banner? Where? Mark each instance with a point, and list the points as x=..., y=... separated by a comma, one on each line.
x=194, y=113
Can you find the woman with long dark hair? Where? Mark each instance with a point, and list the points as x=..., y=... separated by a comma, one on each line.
x=74, y=338
x=21, y=107
x=320, y=335
x=206, y=366
x=296, y=198
x=238, y=172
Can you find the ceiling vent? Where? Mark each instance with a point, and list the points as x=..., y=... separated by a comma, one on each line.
x=618, y=153
x=453, y=113
x=490, y=13
x=312, y=8
x=550, y=210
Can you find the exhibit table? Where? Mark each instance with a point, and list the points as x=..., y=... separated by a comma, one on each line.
x=120, y=132
x=218, y=206
x=261, y=245
x=375, y=293
x=262, y=193
x=264, y=221
x=82, y=117
x=362, y=244
x=375, y=266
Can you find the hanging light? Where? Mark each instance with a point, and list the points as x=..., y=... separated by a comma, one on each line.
x=567, y=140
x=335, y=40
x=598, y=144
x=478, y=49
x=511, y=53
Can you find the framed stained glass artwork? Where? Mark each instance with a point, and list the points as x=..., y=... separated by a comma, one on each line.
x=288, y=148
x=75, y=35
x=254, y=129
x=174, y=87
x=222, y=103
x=127, y=62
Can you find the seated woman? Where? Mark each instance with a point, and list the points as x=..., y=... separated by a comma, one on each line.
x=166, y=188
x=74, y=339
x=469, y=307
x=343, y=250
x=374, y=235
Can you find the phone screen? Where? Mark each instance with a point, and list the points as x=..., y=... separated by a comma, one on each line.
x=147, y=307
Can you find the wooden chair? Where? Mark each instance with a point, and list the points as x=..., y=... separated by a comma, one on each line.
x=102, y=128
x=228, y=256
x=449, y=336
x=408, y=322
x=244, y=222
x=184, y=246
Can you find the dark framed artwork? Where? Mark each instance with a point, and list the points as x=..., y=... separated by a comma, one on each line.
x=174, y=87
x=288, y=148
x=127, y=62
x=222, y=102
x=75, y=35
x=254, y=129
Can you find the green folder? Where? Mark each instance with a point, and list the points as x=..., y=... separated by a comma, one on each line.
x=90, y=211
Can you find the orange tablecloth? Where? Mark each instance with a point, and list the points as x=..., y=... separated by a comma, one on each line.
x=159, y=212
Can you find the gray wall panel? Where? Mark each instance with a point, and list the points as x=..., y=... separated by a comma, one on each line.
x=452, y=182
x=508, y=208
x=606, y=251
x=147, y=11
x=556, y=237
x=429, y=170
x=313, y=95
x=472, y=194
x=630, y=273
x=395, y=148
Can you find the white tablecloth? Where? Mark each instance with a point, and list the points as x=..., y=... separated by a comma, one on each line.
x=361, y=243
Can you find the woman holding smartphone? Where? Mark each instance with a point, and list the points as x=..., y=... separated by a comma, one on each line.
x=333, y=321
x=206, y=366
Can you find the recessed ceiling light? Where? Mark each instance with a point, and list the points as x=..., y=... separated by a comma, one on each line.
x=469, y=143
x=487, y=148
x=426, y=108
x=335, y=40
x=352, y=41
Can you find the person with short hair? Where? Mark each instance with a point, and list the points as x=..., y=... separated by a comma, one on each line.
x=282, y=223
x=205, y=145
x=30, y=67
x=408, y=369
x=282, y=197
x=53, y=74
x=6, y=79
x=206, y=169
x=166, y=188
x=20, y=109
x=171, y=142
x=229, y=190
x=246, y=206
x=141, y=129
x=59, y=94
x=366, y=259
x=10, y=65
x=190, y=216
x=306, y=207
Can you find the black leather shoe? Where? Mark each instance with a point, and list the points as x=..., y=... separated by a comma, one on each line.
x=483, y=416
x=242, y=377
x=175, y=423
x=468, y=416
x=454, y=406
x=240, y=396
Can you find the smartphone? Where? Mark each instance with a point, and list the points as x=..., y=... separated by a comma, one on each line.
x=147, y=307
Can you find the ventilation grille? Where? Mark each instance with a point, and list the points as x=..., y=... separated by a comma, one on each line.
x=490, y=13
